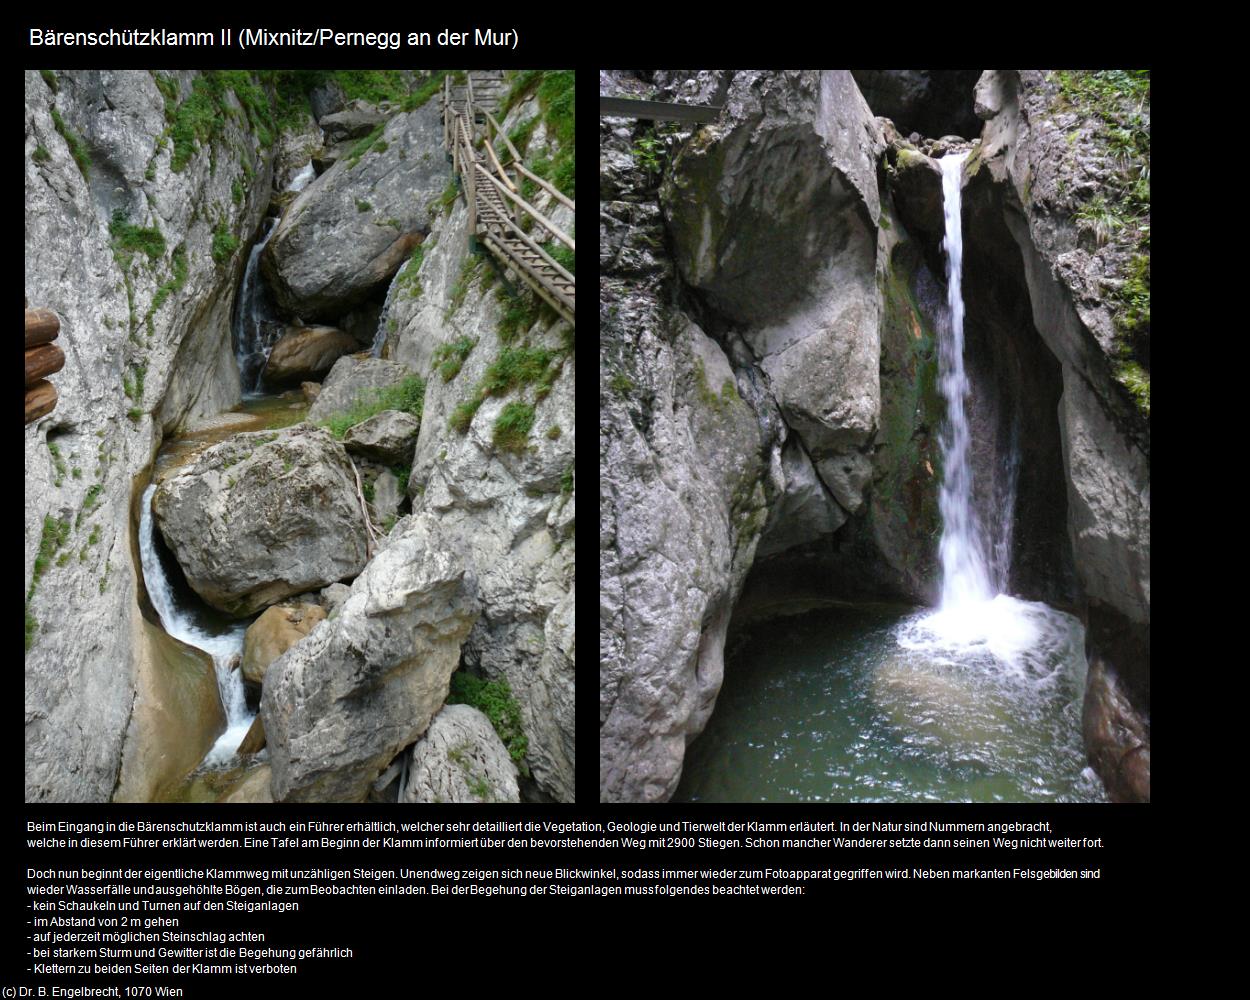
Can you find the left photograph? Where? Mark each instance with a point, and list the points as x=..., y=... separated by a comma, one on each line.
x=299, y=436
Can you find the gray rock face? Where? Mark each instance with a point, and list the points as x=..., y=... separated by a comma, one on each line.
x=340, y=705
x=773, y=213
x=81, y=681
x=351, y=229
x=355, y=121
x=386, y=497
x=1027, y=154
x=306, y=353
x=388, y=437
x=263, y=516
x=351, y=378
x=460, y=759
x=514, y=512
x=803, y=511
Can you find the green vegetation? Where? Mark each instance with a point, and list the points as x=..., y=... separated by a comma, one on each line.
x=407, y=396
x=179, y=264
x=494, y=700
x=566, y=479
x=409, y=283
x=363, y=206
x=55, y=534
x=58, y=463
x=649, y=153
x=1101, y=218
x=168, y=87
x=423, y=93
x=372, y=85
x=514, y=367
x=77, y=147
x=450, y=357
x=468, y=271
x=366, y=490
x=512, y=426
x=520, y=312
x=447, y=198
x=128, y=239
x=728, y=391
x=50, y=79
x=621, y=384
x=462, y=416
x=236, y=192
x=1113, y=107
x=556, y=98
x=553, y=432
x=135, y=413
x=402, y=473
x=40, y=155
x=562, y=255
x=224, y=243
x=364, y=145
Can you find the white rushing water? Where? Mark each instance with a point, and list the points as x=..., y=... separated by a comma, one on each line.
x=252, y=343
x=302, y=179
x=181, y=624
x=977, y=624
x=965, y=578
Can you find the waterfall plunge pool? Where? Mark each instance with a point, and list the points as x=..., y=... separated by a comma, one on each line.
x=886, y=703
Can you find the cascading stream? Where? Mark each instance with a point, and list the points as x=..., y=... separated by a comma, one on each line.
x=180, y=623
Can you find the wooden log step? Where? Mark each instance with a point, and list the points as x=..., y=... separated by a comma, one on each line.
x=40, y=400
x=42, y=326
x=45, y=359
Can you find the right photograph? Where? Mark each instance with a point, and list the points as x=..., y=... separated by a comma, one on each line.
x=874, y=436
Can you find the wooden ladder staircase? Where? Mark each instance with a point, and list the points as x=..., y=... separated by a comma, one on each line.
x=497, y=212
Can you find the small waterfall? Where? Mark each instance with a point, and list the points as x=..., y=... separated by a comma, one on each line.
x=302, y=179
x=965, y=577
x=254, y=335
x=977, y=624
x=379, y=337
x=179, y=623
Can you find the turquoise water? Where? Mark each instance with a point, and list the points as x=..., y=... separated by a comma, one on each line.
x=846, y=704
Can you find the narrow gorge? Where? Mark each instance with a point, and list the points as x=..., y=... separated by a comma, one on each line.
x=300, y=522
x=874, y=436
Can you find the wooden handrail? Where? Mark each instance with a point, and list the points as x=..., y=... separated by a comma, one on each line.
x=551, y=189
x=546, y=223
x=528, y=241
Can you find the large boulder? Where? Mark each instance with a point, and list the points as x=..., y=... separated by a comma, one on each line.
x=263, y=516
x=773, y=213
x=306, y=353
x=387, y=437
x=273, y=633
x=352, y=228
x=340, y=705
x=351, y=379
x=355, y=121
x=460, y=759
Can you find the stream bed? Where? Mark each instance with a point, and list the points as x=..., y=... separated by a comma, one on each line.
x=862, y=704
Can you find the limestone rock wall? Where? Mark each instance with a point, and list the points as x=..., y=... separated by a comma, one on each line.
x=146, y=333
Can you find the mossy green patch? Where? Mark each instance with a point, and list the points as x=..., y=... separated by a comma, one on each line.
x=495, y=700
x=407, y=396
x=512, y=426
x=450, y=357
x=77, y=147
x=224, y=243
